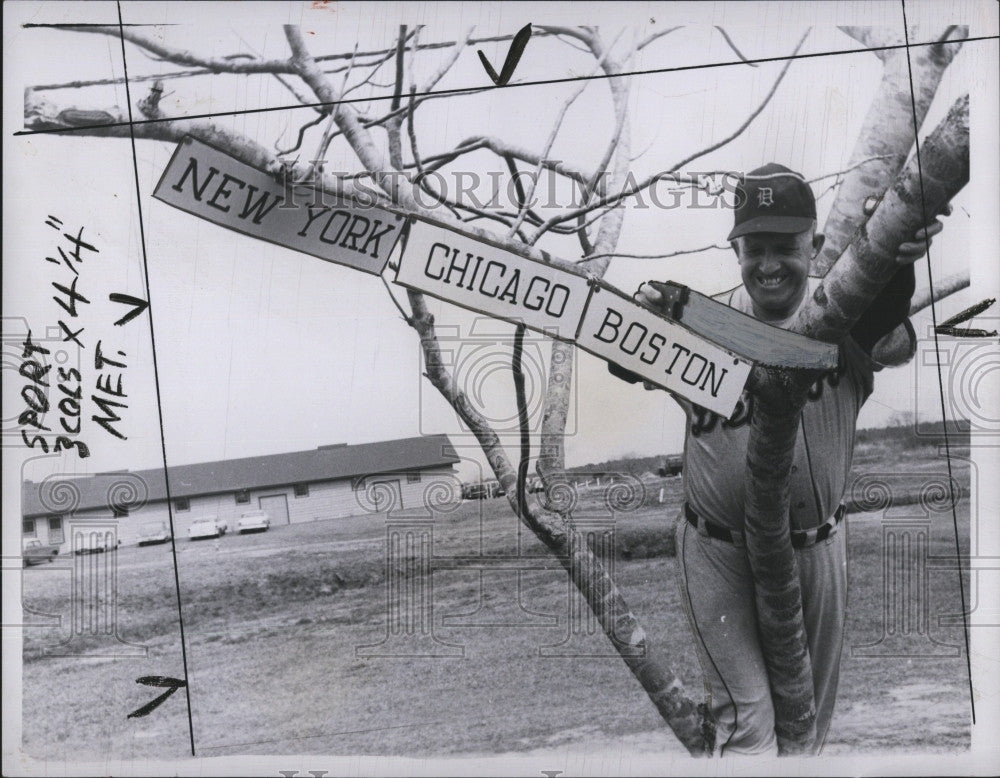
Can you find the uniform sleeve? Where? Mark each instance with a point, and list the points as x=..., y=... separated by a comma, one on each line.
x=860, y=368
x=888, y=310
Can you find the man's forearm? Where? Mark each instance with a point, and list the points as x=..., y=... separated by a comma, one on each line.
x=889, y=309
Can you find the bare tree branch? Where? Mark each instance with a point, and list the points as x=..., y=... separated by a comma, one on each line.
x=628, y=192
x=654, y=37
x=504, y=149
x=449, y=61
x=375, y=67
x=380, y=54
x=302, y=131
x=919, y=192
x=347, y=121
x=732, y=45
x=182, y=57
x=887, y=134
x=943, y=287
x=839, y=173
x=551, y=463
x=556, y=125
x=412, y=134
x=672, y=254
x=394, y=125
x=739, y=130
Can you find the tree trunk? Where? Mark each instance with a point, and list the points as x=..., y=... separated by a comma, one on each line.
x=887, y=134
x=843, y=296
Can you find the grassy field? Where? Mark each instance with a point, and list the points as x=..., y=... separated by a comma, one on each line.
x=273, y=623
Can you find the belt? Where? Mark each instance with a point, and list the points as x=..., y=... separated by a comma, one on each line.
x=801, y=538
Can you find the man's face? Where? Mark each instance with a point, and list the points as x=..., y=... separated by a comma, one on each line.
x=774, y=268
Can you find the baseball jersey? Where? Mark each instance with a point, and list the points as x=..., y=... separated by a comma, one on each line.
x=715, y=448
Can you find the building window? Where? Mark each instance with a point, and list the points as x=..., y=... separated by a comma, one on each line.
x=55, y=529
x=182, y=504
x=28, y=528
x=413, y=478
x=243, y=496
x=301, y=490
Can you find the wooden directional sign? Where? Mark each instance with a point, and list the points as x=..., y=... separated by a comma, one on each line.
x=212, y=185
x=752, y=338
x=662, y=351
x=483, y=277
x=488, y=278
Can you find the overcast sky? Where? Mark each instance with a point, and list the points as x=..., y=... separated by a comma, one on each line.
x=261, y=349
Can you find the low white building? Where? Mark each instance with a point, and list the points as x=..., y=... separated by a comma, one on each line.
x=325, y=483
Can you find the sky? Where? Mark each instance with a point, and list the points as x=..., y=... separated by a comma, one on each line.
x=260, y=349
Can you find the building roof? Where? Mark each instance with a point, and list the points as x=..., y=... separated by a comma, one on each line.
x=64, y=495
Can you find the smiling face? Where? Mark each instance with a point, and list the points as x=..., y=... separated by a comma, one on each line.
x=775, y=267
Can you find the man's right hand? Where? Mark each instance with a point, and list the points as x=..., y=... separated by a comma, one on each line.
x=649, y=295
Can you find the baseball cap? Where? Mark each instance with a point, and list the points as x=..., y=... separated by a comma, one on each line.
x=776, y=199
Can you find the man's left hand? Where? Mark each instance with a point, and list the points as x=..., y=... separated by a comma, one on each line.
x=911, y=251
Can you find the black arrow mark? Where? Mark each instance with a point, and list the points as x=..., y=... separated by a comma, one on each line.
x=513, y=57
x=172, y=684
x=947, y=327
x=139, y=305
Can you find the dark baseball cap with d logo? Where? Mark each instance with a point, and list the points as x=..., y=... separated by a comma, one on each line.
x=775, y=199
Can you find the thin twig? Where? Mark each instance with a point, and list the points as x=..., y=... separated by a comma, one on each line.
x=654, y=36
x=559, y=219
x=752, y=116
x=302, y=131
x=348, y=70
x=552, y=136
x=684, y=252
x=412, y=133
x=376, y=66
x=324, y=144
x=852, y=167
x=946, y=34
x=395, y=301
x=733, y=47
x=581, y=234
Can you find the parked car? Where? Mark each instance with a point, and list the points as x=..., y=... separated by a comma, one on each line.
x=153, y=532
x=207, y=527
x=482, y=491
x=36, y=553
x=93, y=543
x=671, y=465
x=254, y=521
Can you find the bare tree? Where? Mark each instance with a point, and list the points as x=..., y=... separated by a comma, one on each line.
x=332, y=95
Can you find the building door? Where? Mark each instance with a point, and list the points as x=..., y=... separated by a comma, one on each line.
x=386, y=495
x=276, y=506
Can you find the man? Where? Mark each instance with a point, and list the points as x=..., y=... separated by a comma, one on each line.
x=775, y=238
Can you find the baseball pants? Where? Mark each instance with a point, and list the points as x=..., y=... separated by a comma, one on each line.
x=716, y=586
